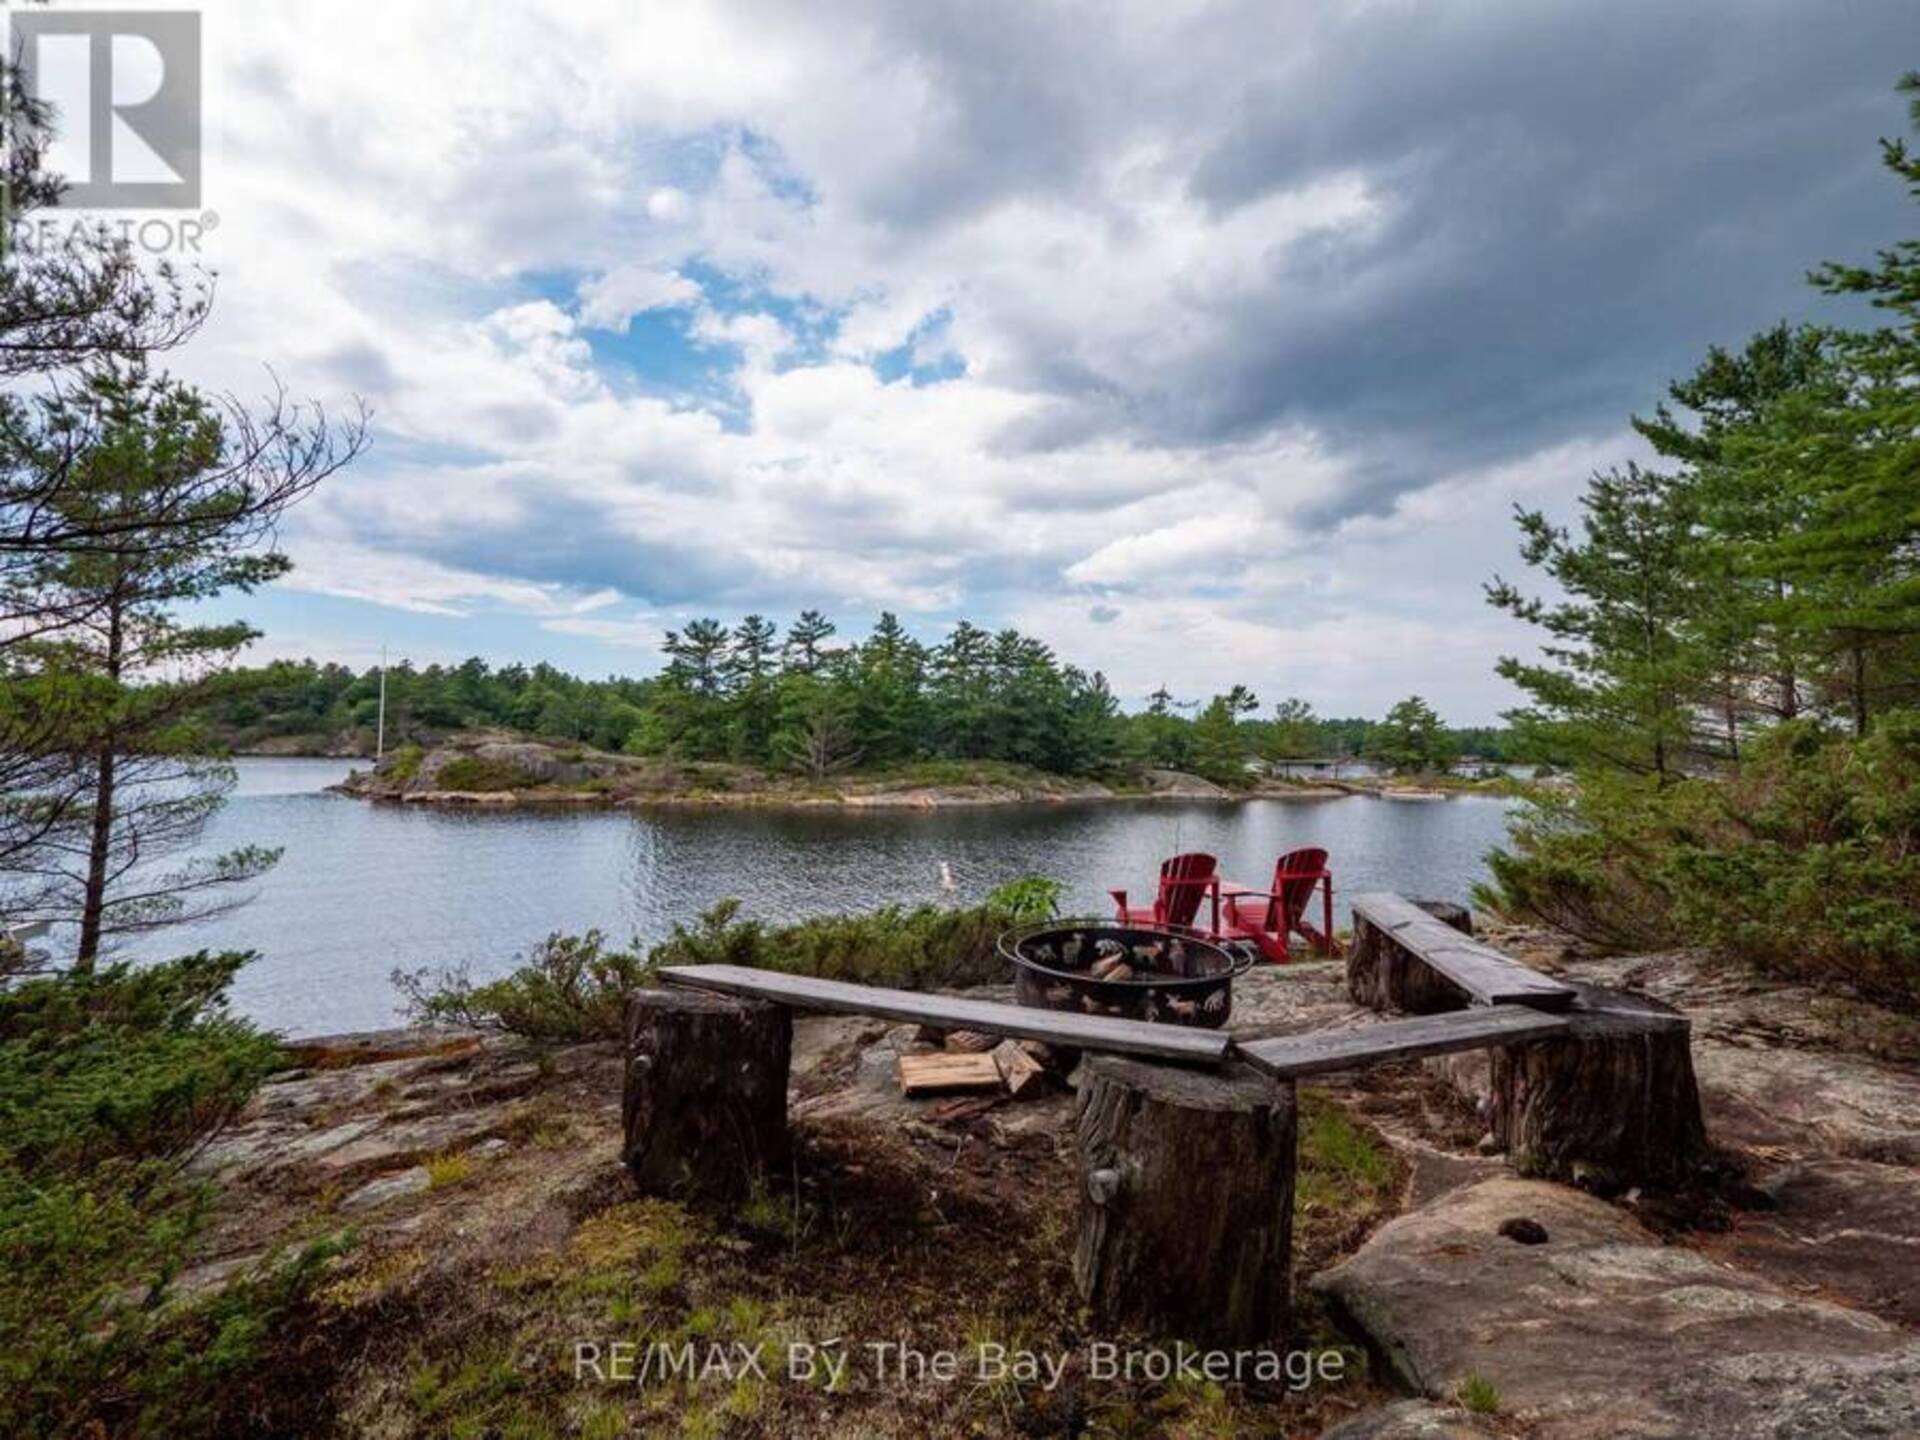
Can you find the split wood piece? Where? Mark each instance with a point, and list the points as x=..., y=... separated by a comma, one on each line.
x=1085, y=1032
x=943, y=1070
x=972, y=1042
x=1611, y=1103
x=704, y=1108
x=1403, y=958
x=1186, y=1213
x=1023, y=1074
x=1386, y=1041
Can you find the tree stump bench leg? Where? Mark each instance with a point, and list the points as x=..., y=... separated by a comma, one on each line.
x=1186, y=1212
x=1611, y=1104
x=704, y=1111
x=1383, y=975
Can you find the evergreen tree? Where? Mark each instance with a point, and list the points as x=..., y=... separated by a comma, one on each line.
x=1294, y=733
x=1748, y=610
x=1219, y=748
x=806, y=639
x=962, y=693
x=752, y=675
x=1165, y=737
x=1860, y=452
x=132, y=676
x=1623, y=671
x=889, y=703
x=694, y=687
x=1411, y=739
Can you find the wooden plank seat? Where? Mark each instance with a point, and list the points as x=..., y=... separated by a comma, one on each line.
x=1291, y=1056
x=1487, y=976
x=952, y=1012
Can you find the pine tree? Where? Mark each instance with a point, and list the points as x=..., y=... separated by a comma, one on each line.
x=1294, y=733
x=804, y=650
x=134, y=677
x=1862, y=454
x=751, y=675
x=889, y=702
x=1623, y=671
x=1749, y=610
x=1219, y=747
x=1411, y=739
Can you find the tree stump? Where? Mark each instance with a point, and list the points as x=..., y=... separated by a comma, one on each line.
x=705, y=1105
x=1186, y=1212
x=1382, y=975
x=1611, y=1104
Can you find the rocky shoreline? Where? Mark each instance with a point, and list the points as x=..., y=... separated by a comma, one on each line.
x=1787, y=1303
x=504, y=771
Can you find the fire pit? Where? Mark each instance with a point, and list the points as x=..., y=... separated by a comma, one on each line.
x=1130, y=972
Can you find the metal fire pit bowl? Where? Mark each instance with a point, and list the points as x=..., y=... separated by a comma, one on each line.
x=1177, y=977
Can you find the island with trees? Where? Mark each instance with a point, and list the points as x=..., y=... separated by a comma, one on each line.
x=744, y=714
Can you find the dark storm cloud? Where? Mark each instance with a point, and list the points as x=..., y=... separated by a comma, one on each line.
x=1581, y=200
x=1577, y=200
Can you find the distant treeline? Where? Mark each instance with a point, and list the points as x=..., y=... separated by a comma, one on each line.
x=799, y=701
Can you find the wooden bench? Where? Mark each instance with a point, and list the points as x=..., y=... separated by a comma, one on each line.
x=951, y=1012
x=1289, y=1057
x=705, y=1117
x=1478, y=971
x=1584, y=1083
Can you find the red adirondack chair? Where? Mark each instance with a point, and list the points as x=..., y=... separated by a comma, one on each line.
x=1269, y=917
x=1185, y=881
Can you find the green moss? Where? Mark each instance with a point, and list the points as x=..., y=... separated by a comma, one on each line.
x=474, y=1395
x=445, y=1170
x=1478, y=1394
x=1340, y=1165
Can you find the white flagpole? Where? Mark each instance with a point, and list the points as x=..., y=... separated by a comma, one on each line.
x=380, y=731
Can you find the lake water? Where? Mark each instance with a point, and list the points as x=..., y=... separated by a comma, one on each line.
x=364, y=888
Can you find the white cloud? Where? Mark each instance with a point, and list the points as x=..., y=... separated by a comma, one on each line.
x=1220, y=283
x=610, y=301
x=638, y=633
x=1200, y=544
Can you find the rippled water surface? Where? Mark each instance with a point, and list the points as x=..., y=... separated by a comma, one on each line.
x=362, y=889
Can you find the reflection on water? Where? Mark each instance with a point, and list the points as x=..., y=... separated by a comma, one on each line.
x=363, y=888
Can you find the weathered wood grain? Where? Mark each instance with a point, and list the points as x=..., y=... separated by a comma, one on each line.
x=1186, y=1212
x=704, y=1111
x=951, y=1012
x=1487, y=976
x=941, y=1070
x=1294, y=1055
x=1611, y=1103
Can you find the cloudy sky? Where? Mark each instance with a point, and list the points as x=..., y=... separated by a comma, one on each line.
x=1208, y=342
